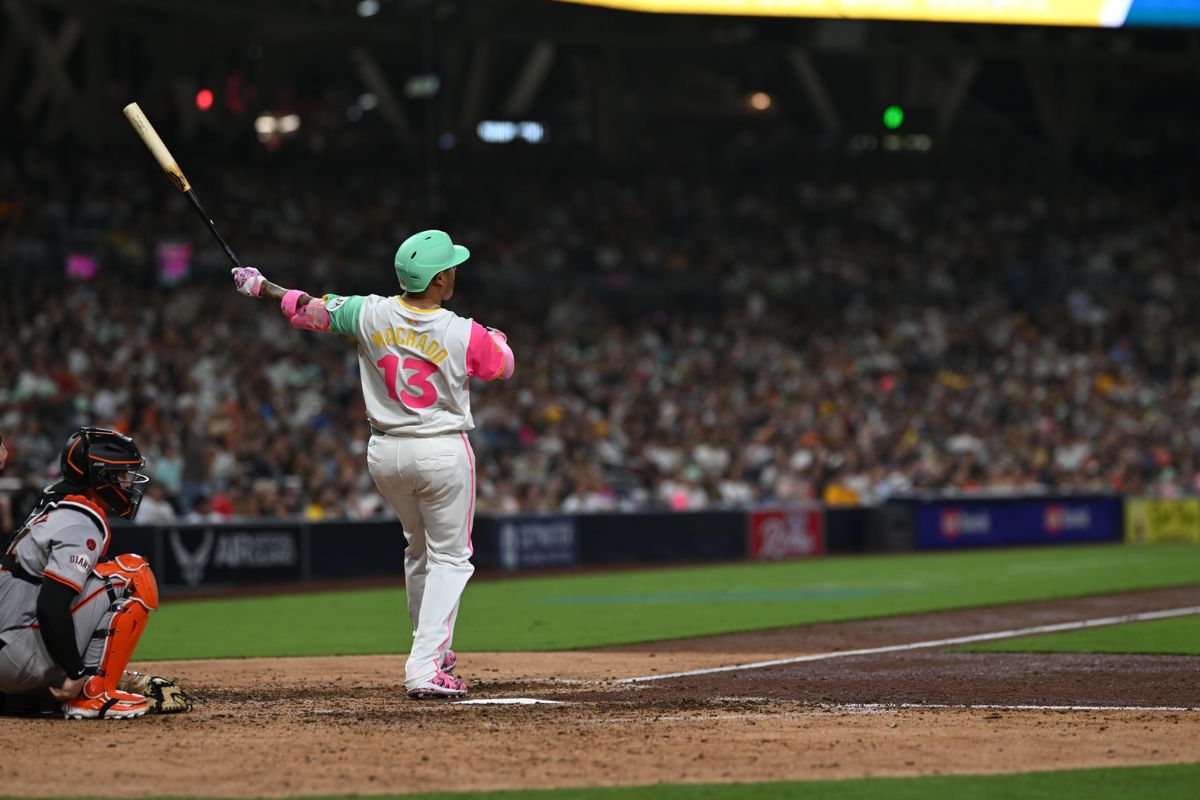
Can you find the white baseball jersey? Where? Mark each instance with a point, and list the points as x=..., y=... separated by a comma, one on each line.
x=415, y=363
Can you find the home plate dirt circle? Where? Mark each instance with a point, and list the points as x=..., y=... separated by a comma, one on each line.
x=344, y=725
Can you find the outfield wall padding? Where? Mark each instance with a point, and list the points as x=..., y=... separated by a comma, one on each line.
x=216, y=557
x=661, y=537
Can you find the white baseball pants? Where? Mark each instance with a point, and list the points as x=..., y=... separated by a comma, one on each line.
x=430, y=483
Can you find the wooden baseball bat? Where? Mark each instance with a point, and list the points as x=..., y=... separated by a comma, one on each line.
x=165, y=160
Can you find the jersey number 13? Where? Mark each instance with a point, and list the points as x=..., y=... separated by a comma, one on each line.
x=426, y=394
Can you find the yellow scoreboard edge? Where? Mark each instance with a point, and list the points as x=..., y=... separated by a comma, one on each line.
x=1079, y=13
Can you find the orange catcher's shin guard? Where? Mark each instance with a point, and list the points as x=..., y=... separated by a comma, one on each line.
x=100, y=697
x=126, y=629
x=131, y=576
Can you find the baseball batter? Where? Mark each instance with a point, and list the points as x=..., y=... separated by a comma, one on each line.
x=416, y=359
x=69, y=622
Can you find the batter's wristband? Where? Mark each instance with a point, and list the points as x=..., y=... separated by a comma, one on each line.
x=288, y=304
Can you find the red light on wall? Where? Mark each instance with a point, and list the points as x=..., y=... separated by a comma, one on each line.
x=204, y=99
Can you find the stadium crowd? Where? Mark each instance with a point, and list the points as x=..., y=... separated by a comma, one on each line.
x=683, y=341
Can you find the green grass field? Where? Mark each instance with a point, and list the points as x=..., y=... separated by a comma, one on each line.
x=1180, y=636
x=1117, y=783
x=576, y=611
x=1128, y=783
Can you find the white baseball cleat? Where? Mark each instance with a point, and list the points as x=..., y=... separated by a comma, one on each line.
x=440, y=685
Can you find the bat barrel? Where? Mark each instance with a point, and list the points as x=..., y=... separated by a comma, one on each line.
x=161, y=154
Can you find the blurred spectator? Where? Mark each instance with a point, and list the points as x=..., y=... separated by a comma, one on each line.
x=155, y=509
x=686, y=341
x=202, y=511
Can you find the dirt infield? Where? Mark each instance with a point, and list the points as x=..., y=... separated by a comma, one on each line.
x=343, y=725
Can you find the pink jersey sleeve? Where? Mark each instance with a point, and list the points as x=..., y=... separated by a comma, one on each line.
x=485, y=359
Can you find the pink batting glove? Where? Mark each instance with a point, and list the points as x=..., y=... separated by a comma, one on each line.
x=248, y=281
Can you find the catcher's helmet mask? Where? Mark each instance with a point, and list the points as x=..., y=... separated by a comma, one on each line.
x=107, y=462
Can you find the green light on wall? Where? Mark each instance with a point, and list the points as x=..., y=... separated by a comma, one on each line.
x=893, y=117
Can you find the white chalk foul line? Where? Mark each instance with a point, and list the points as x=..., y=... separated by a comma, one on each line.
x=993, y=707
x=1144, y=616
x=811, y=710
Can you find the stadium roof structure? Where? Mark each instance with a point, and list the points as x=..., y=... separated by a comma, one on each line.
x=595, y=77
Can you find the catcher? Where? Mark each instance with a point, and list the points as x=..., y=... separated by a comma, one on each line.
x=69, y=622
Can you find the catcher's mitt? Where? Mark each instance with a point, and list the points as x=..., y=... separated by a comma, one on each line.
x=165, y=696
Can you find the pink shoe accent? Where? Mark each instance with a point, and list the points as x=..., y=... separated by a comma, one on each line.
x=449, y=661
x=440, y=685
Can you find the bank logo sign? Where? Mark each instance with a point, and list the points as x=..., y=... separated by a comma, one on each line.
x=1059, y=518
x=538, y=542
x=991, y=522
x=956, y=522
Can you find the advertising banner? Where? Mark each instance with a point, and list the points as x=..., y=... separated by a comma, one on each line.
x=1151, y=519
x=774, y=534
x=992, y=523
x=231, y=556
x=537, y=541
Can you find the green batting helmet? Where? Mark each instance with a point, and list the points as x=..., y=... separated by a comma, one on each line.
x=424, y=255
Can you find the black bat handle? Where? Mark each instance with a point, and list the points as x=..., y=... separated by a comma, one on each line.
x=191, y=195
